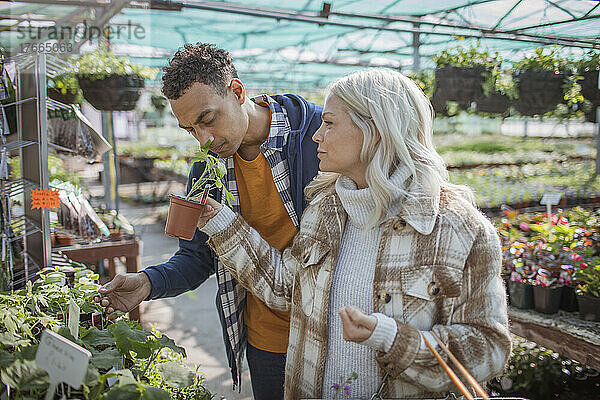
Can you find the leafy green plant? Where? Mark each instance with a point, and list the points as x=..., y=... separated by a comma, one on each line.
x=425, y=80
x=65, y=83
x=539, y=373
x=543, y=60
x=589, y=278
x=101, y=63
x=472, y=57
x=590, y=62
x=213, y=172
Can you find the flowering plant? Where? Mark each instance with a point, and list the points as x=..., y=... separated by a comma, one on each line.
x=589, y=278
x=345, y=385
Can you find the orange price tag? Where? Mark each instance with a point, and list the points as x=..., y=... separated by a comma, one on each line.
x=44, y=198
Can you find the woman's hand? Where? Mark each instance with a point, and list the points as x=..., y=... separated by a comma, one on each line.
x=357, y=326
x=211, y=209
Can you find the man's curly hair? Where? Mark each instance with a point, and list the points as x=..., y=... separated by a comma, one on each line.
x=202, y=62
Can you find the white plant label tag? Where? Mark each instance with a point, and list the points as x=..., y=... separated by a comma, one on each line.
x=63, y=360
x=74, y=312
x=551, y=199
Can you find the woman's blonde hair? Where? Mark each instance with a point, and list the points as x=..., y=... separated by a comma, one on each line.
x=388, y=106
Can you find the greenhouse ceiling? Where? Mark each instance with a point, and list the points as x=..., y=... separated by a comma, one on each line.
x=305, y=44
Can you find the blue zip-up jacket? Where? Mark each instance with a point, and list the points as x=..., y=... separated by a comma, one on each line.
x=194, y=261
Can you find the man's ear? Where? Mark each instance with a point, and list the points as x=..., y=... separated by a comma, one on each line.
x=238, y=89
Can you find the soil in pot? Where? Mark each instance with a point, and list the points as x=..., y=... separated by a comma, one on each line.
x=182, y=218
x=547, y=299
x=521, y=295
x=568, y=300
x=589, y=307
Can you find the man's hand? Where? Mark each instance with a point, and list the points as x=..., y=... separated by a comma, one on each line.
x=210, y=210
x=356, y=325
x=124, y=292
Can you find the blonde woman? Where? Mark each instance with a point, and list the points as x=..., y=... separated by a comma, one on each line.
x=388, y=251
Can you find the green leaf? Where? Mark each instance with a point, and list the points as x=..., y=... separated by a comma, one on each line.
x=27, y=353
x=206, y=146
x=130, y=391
x=5, y=359
x=127, y=339
x=176, y=375
x=25, y=375
x=11, y=339
x=152, y=393
x=98, y=338
x=106, y=359
x=165, y=341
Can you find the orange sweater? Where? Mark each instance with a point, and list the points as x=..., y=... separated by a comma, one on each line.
x=262, y=207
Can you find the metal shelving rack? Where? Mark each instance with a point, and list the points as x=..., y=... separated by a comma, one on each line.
x=31, y=142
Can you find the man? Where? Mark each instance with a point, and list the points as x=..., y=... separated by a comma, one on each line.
x=270, y=158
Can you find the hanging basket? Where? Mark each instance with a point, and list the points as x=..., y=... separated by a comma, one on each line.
x=112, y=93
x=460, y=84
x=589, y=86
x=495, y=103
x=65, y=98
x=539, y=91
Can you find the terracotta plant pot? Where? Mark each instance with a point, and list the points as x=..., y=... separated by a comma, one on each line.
x=547, y=299
x=521, y=295
x=589, y=307
x=182, y=218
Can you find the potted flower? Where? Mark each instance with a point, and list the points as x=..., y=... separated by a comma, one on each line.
x=540, y=79
x=547, y=292
x=461, y=74
x=110, y=83
x=589, y=290
x=64, y=88
x=183, y=211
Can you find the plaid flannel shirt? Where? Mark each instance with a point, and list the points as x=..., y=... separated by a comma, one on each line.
x=232, y=294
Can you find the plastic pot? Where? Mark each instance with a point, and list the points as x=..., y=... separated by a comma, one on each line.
x=521, y=295
x=112, y=93
x=547, y=299
x=568, y=300
x=589, y=307
x=183, y=217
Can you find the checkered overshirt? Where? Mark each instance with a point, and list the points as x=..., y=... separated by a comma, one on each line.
x=233, y=295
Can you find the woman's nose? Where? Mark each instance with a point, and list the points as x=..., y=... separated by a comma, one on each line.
x=317, y=137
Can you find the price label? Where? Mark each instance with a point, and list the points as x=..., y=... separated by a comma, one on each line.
x=74, y=313
x=63, y=360
x=551, y=199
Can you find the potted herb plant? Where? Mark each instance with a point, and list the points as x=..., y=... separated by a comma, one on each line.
x=540, y=79
x=589, y=291
x=64, y=88
x=184, y=212
x=461, y=74
x=110, y=83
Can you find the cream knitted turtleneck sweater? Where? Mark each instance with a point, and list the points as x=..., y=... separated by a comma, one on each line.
x=353, y=285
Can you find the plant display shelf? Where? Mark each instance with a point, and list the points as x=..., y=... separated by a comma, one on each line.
x=564, y=333
x=94, y=252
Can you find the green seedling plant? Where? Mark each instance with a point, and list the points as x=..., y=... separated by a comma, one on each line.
x=213, y=172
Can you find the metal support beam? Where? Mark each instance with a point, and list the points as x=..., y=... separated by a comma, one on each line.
x=477, y=32
x=416, y=67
